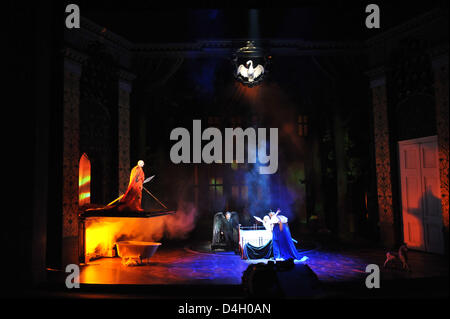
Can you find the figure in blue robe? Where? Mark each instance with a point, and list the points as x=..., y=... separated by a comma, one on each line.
x=281, y=246
x=282, y=243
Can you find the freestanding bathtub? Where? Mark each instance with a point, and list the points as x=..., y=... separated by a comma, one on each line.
x=136, y=252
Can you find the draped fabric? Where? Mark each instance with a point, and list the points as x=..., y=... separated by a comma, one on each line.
x=131, y=200
x=280, y=247
x=283, y=246
x=261, y=252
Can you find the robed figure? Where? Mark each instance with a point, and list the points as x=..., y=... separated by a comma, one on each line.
x=131, y=200
x=282, y=244
x=225, y=231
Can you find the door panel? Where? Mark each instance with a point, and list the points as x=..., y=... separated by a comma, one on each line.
x=420, y=189
x=411, y=197
x=434, y=239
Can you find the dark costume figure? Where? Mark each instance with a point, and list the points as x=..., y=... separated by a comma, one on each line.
x=131, y=200
x=225, y=232
x=227, y=229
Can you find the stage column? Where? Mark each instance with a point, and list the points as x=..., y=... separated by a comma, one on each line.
x=124, y=168
x=382, y=156
x=440, y=67
x=71, y=155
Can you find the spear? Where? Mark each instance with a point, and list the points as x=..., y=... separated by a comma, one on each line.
x=148, y=179
x=154, y=197
x=120, y=197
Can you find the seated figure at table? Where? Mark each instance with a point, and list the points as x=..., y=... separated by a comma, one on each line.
x=225, y=231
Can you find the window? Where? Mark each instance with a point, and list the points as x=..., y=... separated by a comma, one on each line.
x=216, y=199
x=302, y=125
x=84, y=181
x=235, y=166
x=240, y=193
x=196, y=185
x=239, y=188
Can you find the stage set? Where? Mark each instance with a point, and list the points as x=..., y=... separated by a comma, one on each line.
x=261, y=152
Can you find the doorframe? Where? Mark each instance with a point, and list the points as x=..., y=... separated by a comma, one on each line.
x=418, y=140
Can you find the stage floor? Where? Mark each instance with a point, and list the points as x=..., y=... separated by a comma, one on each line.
x=169, y=266
x=180, y=266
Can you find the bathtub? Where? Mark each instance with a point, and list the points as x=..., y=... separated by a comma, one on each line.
x=136, y=252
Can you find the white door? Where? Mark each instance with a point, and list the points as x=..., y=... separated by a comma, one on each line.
x=420, y=190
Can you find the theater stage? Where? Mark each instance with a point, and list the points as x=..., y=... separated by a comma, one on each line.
x=194, y=265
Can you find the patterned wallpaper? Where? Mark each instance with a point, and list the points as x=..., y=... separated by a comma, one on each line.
x=124, y=139
x=71, y=139
x=71, y=153
x=441, y=94
x=383, y=165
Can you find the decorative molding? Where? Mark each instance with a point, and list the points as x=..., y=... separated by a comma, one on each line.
x=125, y=49
x=126, y=76
x=380, y=81
x=104, y=33
x=439, y=56
x=409, y=26
x=72, y=67
x=91, y=31
x=377, y=77
x=125, y=86
x=125, y=79
x=74, y=55
x=101, y=33
x=73, y=60
x=227, y=47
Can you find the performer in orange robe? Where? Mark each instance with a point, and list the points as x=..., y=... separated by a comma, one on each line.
x=131, y=200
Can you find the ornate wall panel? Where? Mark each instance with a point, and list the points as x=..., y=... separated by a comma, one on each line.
x=124, y=130
x=382, y=159
x=71, y=153
x=440, y=66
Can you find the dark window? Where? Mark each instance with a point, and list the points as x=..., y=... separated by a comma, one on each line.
x=302, y=125
x=216, y=197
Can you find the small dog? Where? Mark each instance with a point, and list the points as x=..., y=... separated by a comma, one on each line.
x=402, y=256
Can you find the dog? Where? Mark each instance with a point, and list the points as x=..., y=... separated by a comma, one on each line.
x=401, y=255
